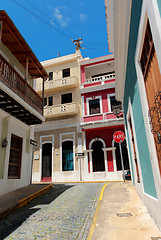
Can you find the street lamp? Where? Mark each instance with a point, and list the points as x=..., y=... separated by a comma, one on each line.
x=116, y=110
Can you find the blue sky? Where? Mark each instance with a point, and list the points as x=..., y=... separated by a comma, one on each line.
x=49, y=25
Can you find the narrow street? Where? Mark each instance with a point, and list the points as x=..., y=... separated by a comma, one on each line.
x=66, y=212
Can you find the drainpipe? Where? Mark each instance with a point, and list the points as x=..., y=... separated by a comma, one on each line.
x=43, y=95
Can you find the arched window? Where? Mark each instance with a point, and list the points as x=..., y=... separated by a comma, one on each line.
x=67, y=156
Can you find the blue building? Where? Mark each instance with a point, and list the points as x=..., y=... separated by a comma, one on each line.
x=134, y=35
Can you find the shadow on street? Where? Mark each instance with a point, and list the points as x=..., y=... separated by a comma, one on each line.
x=12, y=221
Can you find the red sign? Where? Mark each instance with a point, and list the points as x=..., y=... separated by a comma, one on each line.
x=118, y=136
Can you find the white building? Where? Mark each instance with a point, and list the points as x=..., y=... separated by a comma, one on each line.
x=20, y=106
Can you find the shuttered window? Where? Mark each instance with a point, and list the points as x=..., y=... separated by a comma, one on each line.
x=15, y=157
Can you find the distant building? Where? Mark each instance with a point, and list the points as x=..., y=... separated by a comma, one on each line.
x=59, y=137
x=134, y=35
x=98, y=122
x=20, y=106
x=75, y=143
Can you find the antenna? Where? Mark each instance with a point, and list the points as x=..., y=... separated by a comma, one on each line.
x=58, y=54
x=77, y=43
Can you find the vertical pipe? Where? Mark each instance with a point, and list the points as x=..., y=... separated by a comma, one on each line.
x=43, y=95
x=27, y=67
x=1, y=24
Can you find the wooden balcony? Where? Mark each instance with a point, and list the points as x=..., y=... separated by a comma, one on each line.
x=60, y=84
x=14, y=82
x=61, y=110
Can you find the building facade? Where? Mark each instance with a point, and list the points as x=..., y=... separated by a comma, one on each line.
x=59, y=137
x=136, y=26
x=20, y=106
x=98, y=122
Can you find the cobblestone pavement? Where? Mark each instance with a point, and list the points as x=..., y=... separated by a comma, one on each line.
x=66, y=212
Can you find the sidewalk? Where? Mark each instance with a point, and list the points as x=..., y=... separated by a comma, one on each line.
x=20, y=197
x=122, y=215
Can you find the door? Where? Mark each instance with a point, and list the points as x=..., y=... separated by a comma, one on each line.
x=124, y=155
x=46, y=160
x=98, y=157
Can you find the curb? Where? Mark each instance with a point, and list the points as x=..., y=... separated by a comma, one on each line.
x=26, y=200
x=96, y=213
x=108, y=181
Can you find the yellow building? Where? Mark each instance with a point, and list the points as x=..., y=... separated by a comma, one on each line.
x=59, y=137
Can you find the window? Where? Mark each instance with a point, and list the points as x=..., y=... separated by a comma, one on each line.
x=50, y=75
x=66, y=72
x=66, y=98
x=94, y=106
x=45, y=101
x=15, y=157
x=50, y=101
x=67, y=156
x=147, y=52
x=114, y=103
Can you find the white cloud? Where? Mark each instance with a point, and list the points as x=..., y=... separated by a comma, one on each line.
x=59, y=17
x=83, y=17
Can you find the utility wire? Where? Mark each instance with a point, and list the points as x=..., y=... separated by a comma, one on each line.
x=91, y=45
x=48, y=17
x=40, y=18
x=95, y=43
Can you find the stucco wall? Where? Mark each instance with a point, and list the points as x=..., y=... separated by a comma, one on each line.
x=159, y=5
x=56, y=136
x=132, y=91
x=14, y=126
x=106, y=135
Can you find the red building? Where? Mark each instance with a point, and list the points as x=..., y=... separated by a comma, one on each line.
x=98, y=122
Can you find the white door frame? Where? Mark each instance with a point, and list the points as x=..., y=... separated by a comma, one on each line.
x=52, y=158
x=90, y=154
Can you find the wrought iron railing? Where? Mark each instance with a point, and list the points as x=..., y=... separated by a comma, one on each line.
x=18, y=85
x=155, y=117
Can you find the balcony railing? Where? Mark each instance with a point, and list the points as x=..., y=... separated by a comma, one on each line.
x=18, y=85
x=100, y=117
x=100, y=79
x=62, y=83
x=61, y=110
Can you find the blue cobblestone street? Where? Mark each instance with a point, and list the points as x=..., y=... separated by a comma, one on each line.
x=66, y=212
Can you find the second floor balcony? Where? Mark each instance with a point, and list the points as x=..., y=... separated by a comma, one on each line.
x=11, y=80
x=56, y=111
x=60, y=84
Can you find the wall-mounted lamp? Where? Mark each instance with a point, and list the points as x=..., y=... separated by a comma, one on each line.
x=4, y=143
x=117, y=108
x=116, y=111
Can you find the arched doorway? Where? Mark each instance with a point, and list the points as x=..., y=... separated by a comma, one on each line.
x=124, y=154
x=98, y=157
x=67, y=156
x=46, y=160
